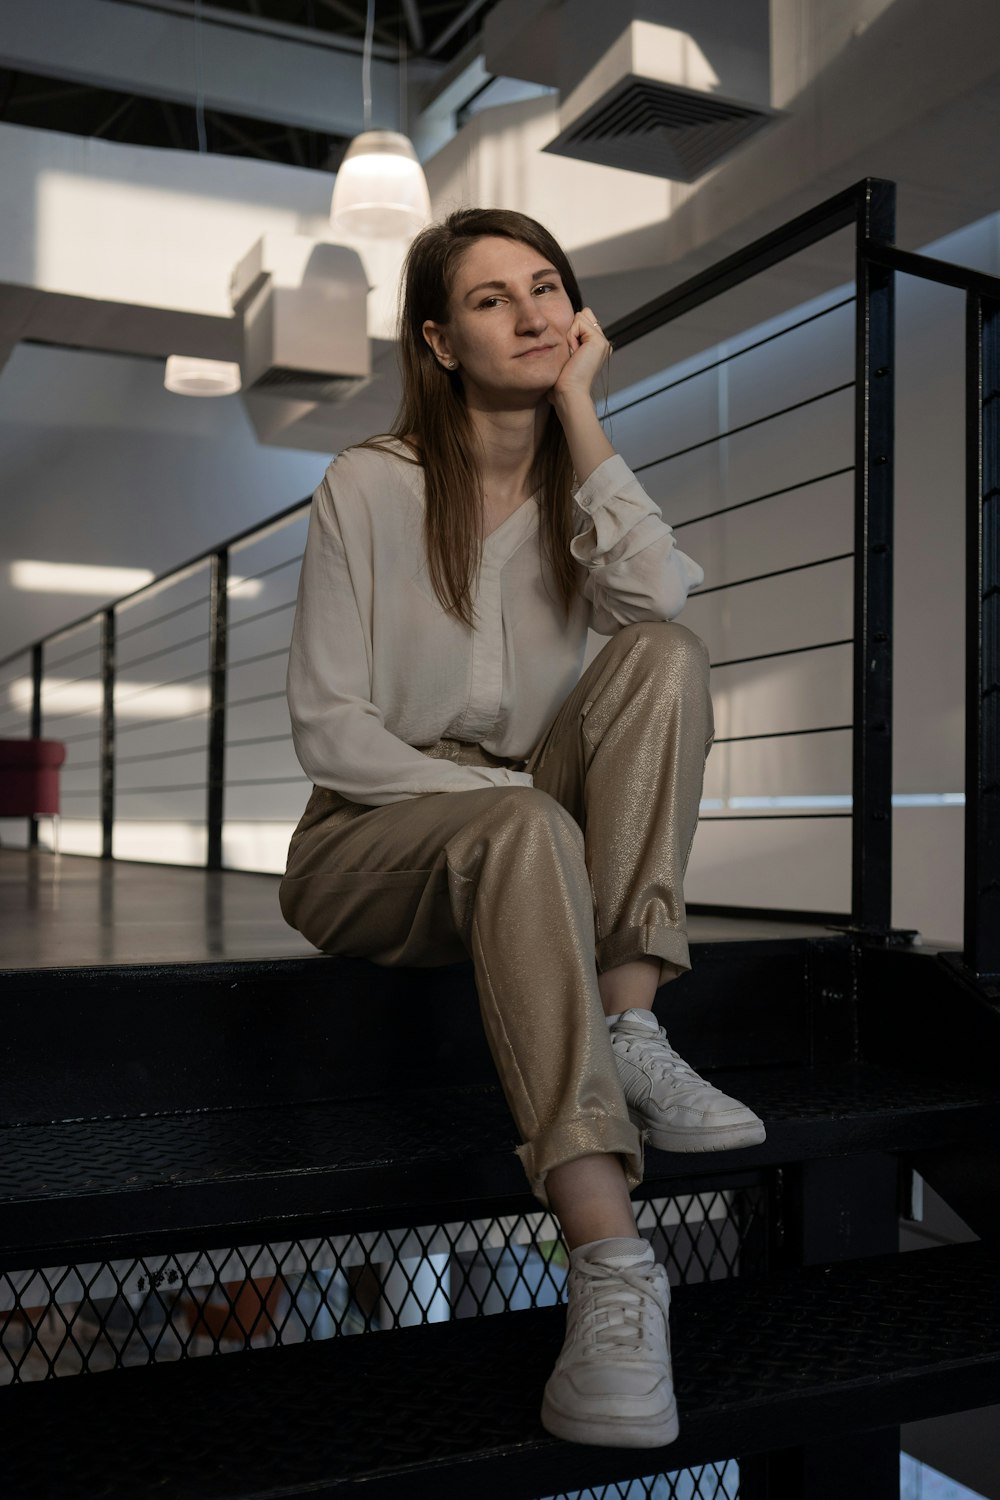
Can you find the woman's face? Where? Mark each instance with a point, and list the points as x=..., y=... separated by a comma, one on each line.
x=509, y=319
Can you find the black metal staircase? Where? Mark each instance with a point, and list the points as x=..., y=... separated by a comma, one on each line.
x=795, y=1321
x=262, y=1228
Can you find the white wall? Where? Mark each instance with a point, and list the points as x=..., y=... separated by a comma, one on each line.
x=102, y=465
x=806, y=37
x=138, y=224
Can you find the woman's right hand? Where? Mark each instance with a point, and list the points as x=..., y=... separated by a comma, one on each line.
x=588, y=351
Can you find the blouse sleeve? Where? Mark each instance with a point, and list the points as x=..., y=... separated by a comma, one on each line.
x=635, y=570
x=339, y=734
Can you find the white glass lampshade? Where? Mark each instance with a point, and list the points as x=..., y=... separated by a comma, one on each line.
x=380, y=191
x=186, y=376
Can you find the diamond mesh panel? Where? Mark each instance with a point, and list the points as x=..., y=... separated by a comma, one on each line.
x=68, y=1320
x=707, y=1482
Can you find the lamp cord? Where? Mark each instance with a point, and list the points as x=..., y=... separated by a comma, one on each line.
x=199, y=111
x=366, y=65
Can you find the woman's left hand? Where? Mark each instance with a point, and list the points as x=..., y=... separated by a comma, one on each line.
x=588, y=351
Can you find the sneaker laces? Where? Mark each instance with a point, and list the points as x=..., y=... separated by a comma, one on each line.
x=680, y=1071
x=612, y=1310
x=672, y=1066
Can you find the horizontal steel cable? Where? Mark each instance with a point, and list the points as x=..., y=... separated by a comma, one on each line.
x=246, y=661
x=123, y=760
x=777, y=734
x=72, y=739
x=9, y=681
x=783, y=411
x=53, y=666
x=194, y=713
x=199, y=786
x=728, y=358
x=170, y=614
x=233, y=588
x=736, y=583
x=257, y=698
x=155, y=687
x=139, y=661
x=766, y=817
x=768, y=495
x=262, y=614
x=51, y=692
x=737, y=661
x=128, y=760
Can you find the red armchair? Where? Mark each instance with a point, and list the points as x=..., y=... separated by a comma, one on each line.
x=29, y=780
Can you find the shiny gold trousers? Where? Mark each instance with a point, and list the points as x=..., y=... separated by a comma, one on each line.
x=543, y=886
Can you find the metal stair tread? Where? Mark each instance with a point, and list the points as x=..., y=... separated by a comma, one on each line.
x=157, y=1172
x=80, y=1158
x=452, y=1409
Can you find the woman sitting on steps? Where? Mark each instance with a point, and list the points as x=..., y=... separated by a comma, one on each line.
x=451, y=573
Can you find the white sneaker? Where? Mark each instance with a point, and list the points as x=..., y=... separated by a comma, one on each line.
x=678, y=1110
x=612, y=1382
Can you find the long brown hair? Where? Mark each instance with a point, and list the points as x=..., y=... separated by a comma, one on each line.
x=433, y=409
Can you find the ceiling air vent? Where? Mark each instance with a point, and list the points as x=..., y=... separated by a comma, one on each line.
x=667, y=101
x=657, y=128
x=308, y=385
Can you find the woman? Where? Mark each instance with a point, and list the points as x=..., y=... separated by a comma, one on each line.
x=451, y=573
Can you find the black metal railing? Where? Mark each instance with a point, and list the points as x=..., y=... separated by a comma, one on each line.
x=981, y=946
x=812, y=480
x=869, y=209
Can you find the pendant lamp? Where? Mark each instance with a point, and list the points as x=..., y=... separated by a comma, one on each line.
x=380, y=191
x=183, y=374
x=186, y=376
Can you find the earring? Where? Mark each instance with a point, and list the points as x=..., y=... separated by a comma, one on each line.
x=453, y=364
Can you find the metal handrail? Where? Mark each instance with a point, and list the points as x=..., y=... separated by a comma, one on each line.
x=245, y=535
x=839, y=212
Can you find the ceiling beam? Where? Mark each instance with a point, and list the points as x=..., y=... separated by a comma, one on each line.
x=148, y=51
x=117, y=327
x=414, y=25
x=463, y=17
x=235, y=20
x=343, y=12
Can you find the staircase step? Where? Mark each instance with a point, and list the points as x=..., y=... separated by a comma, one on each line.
x=164, y=1038
x=415, y=1155
x=451, y=1410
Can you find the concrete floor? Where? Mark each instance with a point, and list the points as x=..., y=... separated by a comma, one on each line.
x=68, y=909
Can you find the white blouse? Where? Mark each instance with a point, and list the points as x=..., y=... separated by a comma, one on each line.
x=377, y=668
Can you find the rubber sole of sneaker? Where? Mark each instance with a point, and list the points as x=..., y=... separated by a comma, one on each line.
x=612, y=1432
x=707, y=1138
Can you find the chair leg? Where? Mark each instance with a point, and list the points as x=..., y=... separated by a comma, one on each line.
x=55, y=833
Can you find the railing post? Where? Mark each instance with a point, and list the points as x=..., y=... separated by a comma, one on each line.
x=217, y=710
x=982, y=638
x=36, y=723
x=107, y=733
x=871, y=855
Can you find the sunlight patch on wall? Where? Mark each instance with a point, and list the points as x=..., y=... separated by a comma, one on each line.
x=139, y=700
x=106, y=582
x=161, y=842
x=256, y=846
